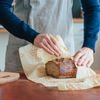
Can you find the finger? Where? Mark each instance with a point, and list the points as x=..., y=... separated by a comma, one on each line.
x=53, y=44
x=57, y=50
x=50, y=48
x=85, y=62
x=77, y=56
x=46, y=49
x=80, y=61
x=54, y=40
x=89, y=63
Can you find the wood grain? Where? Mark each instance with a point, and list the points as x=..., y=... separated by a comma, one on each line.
x=78, y=20
x=2, y=30
x=24, y=89
x=6, y=77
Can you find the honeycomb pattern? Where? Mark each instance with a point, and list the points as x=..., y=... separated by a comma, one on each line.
x=37, y=52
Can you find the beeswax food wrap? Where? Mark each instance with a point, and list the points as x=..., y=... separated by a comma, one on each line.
x=33, y=61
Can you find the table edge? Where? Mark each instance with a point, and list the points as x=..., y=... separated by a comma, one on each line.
x=22, y=72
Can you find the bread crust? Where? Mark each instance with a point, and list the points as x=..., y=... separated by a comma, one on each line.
x=66, y=68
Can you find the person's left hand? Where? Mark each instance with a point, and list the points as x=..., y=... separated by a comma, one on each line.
x=84, y=57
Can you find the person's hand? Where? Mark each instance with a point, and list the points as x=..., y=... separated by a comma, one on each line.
x=48, y=43
x=84, y=57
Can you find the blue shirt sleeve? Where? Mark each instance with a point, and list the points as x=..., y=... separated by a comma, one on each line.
x=13, y=24
x=91, y=9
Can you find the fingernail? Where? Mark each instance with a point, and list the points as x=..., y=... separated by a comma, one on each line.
x=57, y=55
x=79, y=64
x=60, y=54
x=74, y=60
x=87, y=66
x=52, y=53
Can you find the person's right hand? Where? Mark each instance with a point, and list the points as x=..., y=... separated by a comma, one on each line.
x=48, y=43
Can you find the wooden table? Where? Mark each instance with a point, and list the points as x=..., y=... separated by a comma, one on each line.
x=24, y=89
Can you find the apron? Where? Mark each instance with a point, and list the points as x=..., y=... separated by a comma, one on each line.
x=46, y=17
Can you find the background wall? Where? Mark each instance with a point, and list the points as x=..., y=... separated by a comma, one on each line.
x=3, y=44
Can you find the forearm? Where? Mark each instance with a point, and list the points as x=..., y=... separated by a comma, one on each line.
x=91, y=9
x=13, y=24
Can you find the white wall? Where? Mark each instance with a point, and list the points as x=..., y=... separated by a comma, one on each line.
x=96, y=64
x=3, y=44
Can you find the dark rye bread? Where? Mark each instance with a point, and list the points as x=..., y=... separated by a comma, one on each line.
x=61, y=68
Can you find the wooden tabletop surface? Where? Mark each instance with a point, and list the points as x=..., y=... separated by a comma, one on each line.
x=23, y=89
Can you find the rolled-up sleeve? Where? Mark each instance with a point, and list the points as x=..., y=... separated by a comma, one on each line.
x=13, y=24
x=91, y=9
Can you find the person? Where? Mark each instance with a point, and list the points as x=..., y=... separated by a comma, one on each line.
x=39, y=21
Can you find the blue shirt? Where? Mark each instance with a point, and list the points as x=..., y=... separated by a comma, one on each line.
x=20, y=29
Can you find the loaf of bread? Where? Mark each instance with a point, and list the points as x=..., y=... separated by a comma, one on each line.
x=61, y=68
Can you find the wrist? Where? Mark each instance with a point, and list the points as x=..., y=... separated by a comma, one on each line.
x=89, y=49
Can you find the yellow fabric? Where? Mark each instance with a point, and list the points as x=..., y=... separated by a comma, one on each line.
x=33, y=60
